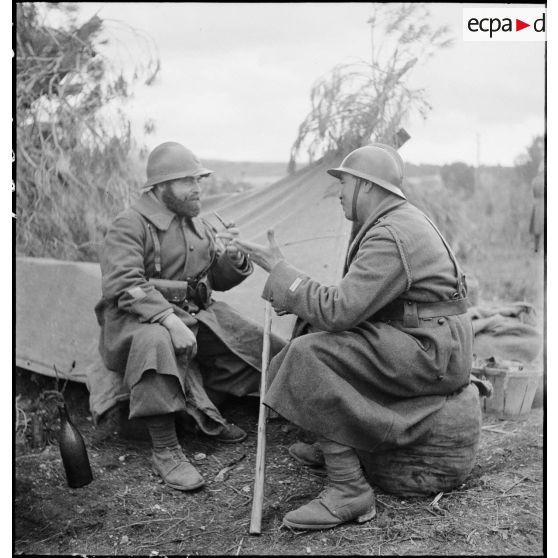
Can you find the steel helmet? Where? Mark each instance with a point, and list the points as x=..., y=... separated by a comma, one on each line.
x=170, y=161
x=378, y=163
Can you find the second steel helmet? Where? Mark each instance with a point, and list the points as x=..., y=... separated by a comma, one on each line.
x=377, y=163
x=170, y=161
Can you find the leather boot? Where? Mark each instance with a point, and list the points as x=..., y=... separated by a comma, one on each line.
x=231, y=434
x=309, y=455
x=173, y=467
x=348, y=496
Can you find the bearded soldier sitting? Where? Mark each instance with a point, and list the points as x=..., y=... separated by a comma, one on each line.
x=160, y=327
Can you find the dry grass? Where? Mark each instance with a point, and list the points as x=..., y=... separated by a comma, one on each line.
x=73, y=165
x=127, y=511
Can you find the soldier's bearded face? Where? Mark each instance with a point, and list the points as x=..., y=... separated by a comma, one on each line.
x=182, y=196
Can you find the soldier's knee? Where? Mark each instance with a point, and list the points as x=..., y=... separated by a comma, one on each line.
x=152, y=335
x=302, y=345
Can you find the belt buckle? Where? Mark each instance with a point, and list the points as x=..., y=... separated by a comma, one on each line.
x=177, y=299
x=410, y=314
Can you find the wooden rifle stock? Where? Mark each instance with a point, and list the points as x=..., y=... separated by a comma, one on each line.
x=257, y=500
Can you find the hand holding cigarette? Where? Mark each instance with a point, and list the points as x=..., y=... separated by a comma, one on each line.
x=226, y=238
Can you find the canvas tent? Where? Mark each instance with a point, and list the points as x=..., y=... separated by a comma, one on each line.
x=55, y=322
x=56, y=325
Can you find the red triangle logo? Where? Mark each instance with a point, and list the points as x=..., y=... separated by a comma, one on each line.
x=519, y=25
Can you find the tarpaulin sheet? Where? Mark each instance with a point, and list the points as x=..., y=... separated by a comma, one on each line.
x=55, y=321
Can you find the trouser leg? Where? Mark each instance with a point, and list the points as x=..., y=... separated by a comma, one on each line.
x=153, y=393
x=161, y=394
x=156, y=394
x=152, y=373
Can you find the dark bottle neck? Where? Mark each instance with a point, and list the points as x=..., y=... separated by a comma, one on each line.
x=63, y=411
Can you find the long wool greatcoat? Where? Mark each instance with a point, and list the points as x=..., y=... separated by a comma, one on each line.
x=359, y=381
x=132, y=341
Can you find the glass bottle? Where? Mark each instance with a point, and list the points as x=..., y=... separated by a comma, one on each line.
x=73, y=451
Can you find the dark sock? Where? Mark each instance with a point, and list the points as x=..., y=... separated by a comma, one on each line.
x=162, y=431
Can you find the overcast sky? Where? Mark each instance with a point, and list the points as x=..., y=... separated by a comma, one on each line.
x=236, y=78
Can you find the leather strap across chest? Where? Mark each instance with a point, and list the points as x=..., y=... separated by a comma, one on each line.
x=156, y=250
x=411, y=312
x=157, y=255
x=461, y=289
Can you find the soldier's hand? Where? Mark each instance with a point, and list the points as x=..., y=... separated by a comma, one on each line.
x=264, y=256
x=182, y=337
x=227, y=237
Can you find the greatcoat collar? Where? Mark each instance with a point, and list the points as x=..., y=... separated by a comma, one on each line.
x=388, y=204
x=160, y=215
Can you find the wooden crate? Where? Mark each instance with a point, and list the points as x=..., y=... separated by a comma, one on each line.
x=513, y=390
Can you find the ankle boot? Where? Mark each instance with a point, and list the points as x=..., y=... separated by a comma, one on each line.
x=308, y=454
x=348, y=496
x=174, y=468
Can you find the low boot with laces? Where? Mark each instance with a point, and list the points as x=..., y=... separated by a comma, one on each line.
x=348, y=496
x=174, y=468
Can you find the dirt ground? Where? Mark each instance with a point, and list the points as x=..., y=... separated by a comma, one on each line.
x=126, y=510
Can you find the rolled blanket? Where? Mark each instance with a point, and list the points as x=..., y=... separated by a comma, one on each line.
x=506, y=331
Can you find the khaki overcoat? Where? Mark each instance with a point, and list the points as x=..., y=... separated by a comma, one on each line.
x=132, y=341
x=359, y=381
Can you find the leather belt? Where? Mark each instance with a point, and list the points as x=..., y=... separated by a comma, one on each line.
x=182, y=292
x=410, y=311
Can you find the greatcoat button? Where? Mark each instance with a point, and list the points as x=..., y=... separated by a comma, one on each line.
x=191, y=248
x=441, y=321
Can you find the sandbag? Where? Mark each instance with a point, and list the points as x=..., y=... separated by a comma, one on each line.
x=441, y=461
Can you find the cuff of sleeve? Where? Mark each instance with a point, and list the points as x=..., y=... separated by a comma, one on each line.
x=283, y=280
x=152, y=304
x=162, y=315
x=242, y=265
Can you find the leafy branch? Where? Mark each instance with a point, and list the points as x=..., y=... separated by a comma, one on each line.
x=73, y=164
x=360, y=102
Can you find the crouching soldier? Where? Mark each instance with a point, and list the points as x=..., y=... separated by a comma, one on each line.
x=383, y=348
x=160, y=328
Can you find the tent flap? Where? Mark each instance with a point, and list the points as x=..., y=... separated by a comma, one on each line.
x=55, y=320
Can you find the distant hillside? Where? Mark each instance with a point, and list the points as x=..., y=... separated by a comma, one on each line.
x=230, y=175
x=426, y=169
x=237, y=176
x=241, y=175
x=240, y=168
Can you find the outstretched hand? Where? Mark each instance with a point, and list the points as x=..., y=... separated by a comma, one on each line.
x=264, y=256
